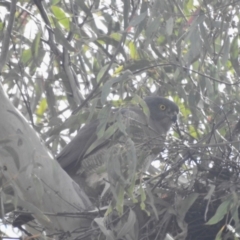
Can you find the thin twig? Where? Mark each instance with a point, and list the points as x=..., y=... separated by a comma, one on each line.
x=104, y=75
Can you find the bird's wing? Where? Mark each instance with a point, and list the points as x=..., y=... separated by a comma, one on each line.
x=86, y=149
x=84, y=144
x=72, y=153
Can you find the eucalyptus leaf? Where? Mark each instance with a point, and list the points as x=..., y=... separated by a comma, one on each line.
x=222, y=210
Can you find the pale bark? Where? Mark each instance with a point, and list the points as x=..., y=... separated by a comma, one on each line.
x=31, y=178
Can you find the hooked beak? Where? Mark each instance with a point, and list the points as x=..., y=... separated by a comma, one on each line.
x=174, y=117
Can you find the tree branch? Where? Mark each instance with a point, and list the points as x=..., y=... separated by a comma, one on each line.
x=7, y=35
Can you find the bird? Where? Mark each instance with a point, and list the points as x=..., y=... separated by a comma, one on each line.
x=129, y=141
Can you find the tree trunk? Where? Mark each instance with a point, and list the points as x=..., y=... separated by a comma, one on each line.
x=32, y=179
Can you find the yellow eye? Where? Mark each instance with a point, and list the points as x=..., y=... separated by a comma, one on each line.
x=162, y=107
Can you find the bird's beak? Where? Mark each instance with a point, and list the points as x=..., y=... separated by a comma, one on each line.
x=174, y=116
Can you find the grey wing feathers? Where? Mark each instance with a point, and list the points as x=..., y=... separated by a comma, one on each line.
x=97, y=158
x=92, y=162
x=76, y=149
x=73, y=157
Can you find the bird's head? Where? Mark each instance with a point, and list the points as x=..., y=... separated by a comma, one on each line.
x=162, y=111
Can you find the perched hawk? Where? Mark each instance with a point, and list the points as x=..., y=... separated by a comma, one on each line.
x=116, y=148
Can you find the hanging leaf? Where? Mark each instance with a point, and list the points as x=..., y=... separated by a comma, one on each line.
x=26, y=56
x=220, y=213
x=136, y=20
x=133, y=51
x=106, y=89
x=128, y=225
x=62, y=40
x=61, y=16
x=169, y=26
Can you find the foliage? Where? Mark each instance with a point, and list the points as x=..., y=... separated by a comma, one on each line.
x=81, y=57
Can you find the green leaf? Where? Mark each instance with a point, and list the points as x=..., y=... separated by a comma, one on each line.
x=106, y=89
x=102, y=72
x=225, y=51
x=234, y=53
x=142, y=103
x=193, y=131
x=219, y=234
x=152, y=28
x=26, y=56
x=109, y=210
x=42, y=107
x=116, y=36
x=101, y=223
x=151, y=202
x=210, y=192
x=131, y=159
x=186, y=204
x=61, y=16
x=169, y=26
x=119, y=69
x=205, y=38
x=143, y=198
x=104, y=117
x=142, y=26
x=128, y=225
x=1, y=26
x=113, y=159
x=36, y=45
x=106, y=40
x=121, y=121
x=120, y=201
x=131, y=190
x=107, y=134
x=62, y=40
x=222, y=210
x=234, y=48
x=133, y=51
x=136, y=20
x=188, y=6
x=234, y=213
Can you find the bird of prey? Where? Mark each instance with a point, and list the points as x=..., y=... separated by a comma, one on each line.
x=130, y=138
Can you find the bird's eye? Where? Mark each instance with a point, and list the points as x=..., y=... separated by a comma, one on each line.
x=162, y=107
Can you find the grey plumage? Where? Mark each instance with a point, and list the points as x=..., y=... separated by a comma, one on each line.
x=132, y=138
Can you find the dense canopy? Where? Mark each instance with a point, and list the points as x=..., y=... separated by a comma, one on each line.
x=64, y=63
